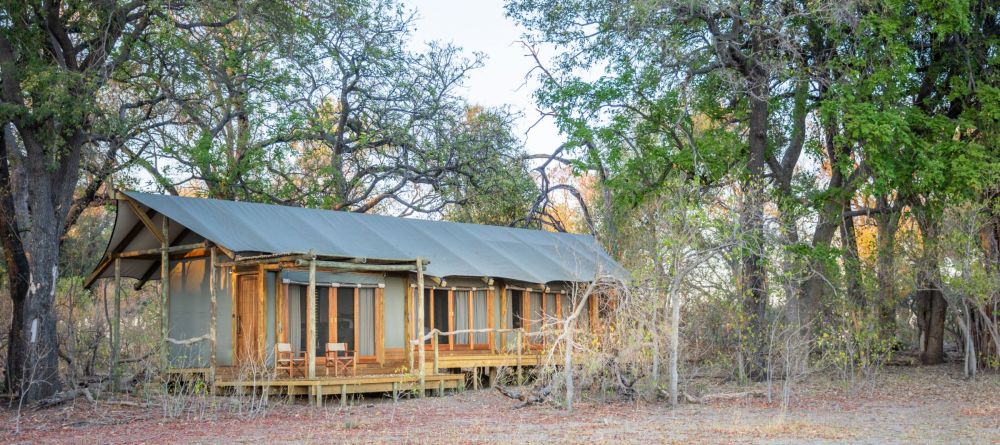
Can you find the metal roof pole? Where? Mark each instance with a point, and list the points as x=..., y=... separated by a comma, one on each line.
x=422, y=355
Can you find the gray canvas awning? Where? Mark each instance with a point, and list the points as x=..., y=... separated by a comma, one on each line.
x=454, y=249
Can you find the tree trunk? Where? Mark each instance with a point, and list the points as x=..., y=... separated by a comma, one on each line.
x=754, y=273
x=675, y=326
x=931, y=305
x=50, y=190
x=17, y=265
x=852, y=262
x=987, y=318
x=888, y=223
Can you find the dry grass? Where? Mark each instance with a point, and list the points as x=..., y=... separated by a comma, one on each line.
x=904, y=405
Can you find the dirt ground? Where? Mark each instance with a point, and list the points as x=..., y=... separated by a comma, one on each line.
x=901, y=405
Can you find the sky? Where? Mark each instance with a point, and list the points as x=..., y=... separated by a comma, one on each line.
x=481, y=26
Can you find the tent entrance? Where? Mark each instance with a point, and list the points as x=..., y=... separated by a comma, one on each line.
x=248, y=346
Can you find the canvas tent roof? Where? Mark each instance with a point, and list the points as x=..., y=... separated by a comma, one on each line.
x=454, y=249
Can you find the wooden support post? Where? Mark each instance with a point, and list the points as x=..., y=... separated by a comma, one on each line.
x=503, y=319
x=290, y=391
x=116, y=333
x=440, y=388
x=493, y=377
x=395, y=391
x=311, y=319
x=357, y=322
x=212, y=337
x=343, y=394
x=319, y=396
x=434, y=344
x=520, y=341
x=545, y=313
x=526, y=312
x=260, y=354
x=451, y=318
x=475, y=378
x=408, y=323
x=379, y=325
x=331, y=313
x=420, y=325
x=165, y=291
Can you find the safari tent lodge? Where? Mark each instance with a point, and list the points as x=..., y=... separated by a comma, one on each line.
x=239, y=276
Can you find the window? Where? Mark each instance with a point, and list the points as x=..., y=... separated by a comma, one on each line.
x=515, y=315
x=450, y=310
x=351, y=310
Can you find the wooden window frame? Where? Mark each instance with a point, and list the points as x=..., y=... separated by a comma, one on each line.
x=429, y=315
x=378, y=322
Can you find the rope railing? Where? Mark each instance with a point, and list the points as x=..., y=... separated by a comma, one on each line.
x=188, y=341
x=435, y=333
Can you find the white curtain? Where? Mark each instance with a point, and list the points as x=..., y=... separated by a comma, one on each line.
x=481, y=314
x=295, y=316
x=509, y=321
x=550, y=305
x=537, y=317
x=366, y=321
x=461, y=316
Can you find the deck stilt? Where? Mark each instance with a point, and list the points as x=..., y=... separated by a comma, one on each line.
x=343, y=395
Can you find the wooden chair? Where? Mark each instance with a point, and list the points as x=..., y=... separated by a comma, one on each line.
x=339, y=358
x=285, y=359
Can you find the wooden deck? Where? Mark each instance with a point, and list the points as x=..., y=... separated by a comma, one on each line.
x=371, y=377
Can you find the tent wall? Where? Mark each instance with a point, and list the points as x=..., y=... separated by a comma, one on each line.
x=190, y=314
x=395, y=301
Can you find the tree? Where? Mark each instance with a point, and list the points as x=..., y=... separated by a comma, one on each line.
x=62, y=66
x=322, y=105
x=499, y=189
x=714, y=90
x=226, y=96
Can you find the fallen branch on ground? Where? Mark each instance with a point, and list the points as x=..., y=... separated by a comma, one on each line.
x=723, y=396
x=527, y=398
x=63, y=397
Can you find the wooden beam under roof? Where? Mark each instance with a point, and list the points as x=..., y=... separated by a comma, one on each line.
x=146, y=221
x=152, y=269
x=106, y=262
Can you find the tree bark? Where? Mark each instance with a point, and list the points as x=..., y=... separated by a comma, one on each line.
x=987, y=319
x=16, y=261
x=888, y=224
x=852, y=262
x=931, y=305
x=753, y=279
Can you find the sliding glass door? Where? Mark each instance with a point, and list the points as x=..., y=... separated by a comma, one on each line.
x=343, y=315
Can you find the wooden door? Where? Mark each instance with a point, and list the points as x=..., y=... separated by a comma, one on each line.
x=247, y=347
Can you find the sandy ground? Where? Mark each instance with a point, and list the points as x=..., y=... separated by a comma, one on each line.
x=901, y=405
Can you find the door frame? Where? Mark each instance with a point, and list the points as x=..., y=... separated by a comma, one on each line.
x=259, y=323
